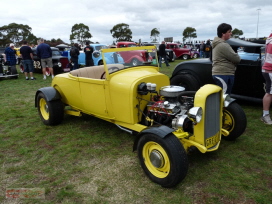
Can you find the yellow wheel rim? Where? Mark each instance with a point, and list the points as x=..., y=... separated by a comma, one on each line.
x=156, y=159
x=44, y=109
x=228, y=122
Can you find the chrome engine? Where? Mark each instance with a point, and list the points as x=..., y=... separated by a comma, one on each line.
x=170, y=107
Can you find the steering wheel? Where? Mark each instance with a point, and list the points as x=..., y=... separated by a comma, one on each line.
x=111, y=69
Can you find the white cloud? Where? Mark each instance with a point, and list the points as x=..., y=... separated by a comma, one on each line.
x=54, y=19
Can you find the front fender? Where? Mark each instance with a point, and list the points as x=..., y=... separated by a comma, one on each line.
x=50, y=94
x=161, y=131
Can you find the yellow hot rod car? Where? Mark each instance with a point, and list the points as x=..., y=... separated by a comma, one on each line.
x=168, y=122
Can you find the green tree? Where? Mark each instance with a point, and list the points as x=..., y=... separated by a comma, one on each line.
x=189, y=33
x=80, y=33
x=236, y=33
x=14, y=33
x=154, y=34
x=121, y=32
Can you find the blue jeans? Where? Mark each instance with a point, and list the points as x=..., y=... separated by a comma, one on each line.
x=165, y=60
x=75, y=61
x=28, y=65
x=201, y=53
x=225, y=82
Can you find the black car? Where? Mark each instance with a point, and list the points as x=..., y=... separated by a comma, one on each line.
x=249, y=83
x=170, y=54
x=60, y=63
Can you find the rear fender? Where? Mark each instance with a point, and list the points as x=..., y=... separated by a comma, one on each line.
x=161, y=131
x=50, y=94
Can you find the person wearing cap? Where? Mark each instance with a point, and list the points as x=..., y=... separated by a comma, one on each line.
x=88, y=50
x=27, y=56
x=10, y=53
x=267, y=74
x=44, y=52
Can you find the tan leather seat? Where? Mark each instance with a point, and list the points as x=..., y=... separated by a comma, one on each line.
x=94, y=72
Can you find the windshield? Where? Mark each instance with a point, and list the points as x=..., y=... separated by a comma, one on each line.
x=99, y=47
x=124, y=58
x=55, y=53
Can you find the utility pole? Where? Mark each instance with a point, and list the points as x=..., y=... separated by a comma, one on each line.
x=258, y=22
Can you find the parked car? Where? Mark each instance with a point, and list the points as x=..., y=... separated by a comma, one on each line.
x=110, y=57
x=170, y=54
x=248, y=85
x=167, y=121
x=60, y=63
x=194, y=50
x=183, y=53
x=134, y=57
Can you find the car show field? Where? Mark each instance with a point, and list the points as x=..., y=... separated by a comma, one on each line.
x=104, y=166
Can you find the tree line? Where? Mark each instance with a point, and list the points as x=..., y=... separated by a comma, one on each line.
x=80, y=33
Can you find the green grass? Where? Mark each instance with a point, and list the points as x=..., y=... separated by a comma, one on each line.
x=88, y=160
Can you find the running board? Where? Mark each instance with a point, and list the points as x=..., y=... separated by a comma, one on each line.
x=73, y=112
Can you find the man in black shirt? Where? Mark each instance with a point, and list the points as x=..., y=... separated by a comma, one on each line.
x=88, y=55
x=162, y=54
x=27, y=56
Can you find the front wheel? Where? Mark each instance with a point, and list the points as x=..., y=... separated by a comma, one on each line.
x=234, y=121
x=163, y=160
x=51, y=112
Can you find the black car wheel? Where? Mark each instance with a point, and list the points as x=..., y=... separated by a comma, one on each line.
x=185, y=57
x=188, y=81
x=163, y=160
x=135, y=62
x=195, y=55
x=51, y=112
x=234, y=121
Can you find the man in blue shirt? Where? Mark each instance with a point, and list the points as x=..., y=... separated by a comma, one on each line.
x=44, y=52
x=11, y=56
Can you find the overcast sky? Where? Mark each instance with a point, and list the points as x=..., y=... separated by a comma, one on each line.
x=54, y=18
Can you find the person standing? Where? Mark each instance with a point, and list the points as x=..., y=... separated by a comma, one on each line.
x=88, y=50
x=74, y=52
x=207, y=48
x=201, y=49
x=224, y=59
x=27, y=56
x=267, y=74
x=10, y=56
x=162, y=54
x=44, y=52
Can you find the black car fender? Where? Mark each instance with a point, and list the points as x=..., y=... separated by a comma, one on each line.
x=160, y=131
x=50, y=94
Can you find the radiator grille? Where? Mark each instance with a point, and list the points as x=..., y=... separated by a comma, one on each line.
x=212, y=115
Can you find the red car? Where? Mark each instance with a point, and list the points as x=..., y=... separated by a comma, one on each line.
x=183, y=53
x=134, y=57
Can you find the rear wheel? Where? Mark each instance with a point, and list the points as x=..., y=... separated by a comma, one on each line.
x=234, y=121
x=163, y=160
x=135, y=62
x=51, y=112
x=188, y=81
x=185, y=57
x=195, y=55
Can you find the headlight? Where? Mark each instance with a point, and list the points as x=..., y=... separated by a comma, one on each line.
x=195, y=114
x=96, y=54
x=59, y=64
x=227, y=100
